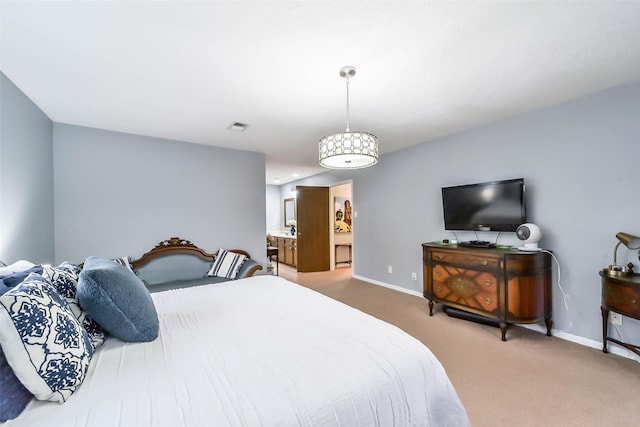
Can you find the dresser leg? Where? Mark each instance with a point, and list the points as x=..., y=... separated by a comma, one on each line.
x=503, y=330
x=430, y=308
x=549, y=324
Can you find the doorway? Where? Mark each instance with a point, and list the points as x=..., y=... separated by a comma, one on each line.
x=317, y=241
x=342, y=214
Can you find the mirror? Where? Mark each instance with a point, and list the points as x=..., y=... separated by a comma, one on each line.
x=289, y=210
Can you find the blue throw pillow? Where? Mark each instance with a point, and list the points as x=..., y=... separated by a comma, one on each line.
x=14, y=279
x=14, y=396
x=118, y=300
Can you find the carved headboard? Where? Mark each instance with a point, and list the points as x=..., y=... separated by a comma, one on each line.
x=176, y=245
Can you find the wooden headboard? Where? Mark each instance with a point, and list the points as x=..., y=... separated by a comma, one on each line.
x=176, y=245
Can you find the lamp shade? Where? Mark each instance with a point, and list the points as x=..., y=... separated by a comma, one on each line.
x=629, y=240
x=348, y=150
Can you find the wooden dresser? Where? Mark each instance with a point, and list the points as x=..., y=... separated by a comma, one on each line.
x=510, y=286
x=287, y=250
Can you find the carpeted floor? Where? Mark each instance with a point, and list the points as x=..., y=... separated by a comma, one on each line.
x=529, y=380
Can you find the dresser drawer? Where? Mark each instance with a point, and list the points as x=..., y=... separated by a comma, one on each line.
x=465, y=259
x=621, y=297
x=471, y=288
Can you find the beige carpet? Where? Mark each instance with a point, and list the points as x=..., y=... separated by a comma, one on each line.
x=529, y=380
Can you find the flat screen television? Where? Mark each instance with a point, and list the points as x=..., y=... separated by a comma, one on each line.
x=487, y=206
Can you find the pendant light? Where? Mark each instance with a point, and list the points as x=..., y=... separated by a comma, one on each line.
x=348, y=150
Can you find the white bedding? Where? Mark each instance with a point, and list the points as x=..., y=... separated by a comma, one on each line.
x=260, y=351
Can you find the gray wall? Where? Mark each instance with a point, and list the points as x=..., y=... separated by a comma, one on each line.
x=26, y=178
x=580, y=163
x=120, y=194
x=274, y=208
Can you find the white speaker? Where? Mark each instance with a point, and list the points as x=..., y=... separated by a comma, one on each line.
x=530, y=234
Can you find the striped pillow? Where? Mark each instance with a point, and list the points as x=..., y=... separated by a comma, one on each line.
x=226, y=264
x=126, y=261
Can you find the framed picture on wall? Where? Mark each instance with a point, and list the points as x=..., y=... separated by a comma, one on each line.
x=342, y=214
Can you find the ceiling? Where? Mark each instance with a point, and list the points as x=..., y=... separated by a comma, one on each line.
x=187, y=70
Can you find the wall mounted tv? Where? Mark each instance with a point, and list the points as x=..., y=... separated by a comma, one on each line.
x=487, y=206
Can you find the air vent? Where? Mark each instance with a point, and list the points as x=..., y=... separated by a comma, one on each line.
x=238, y=127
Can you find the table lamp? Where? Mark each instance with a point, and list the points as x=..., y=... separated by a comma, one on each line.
x=631, y=242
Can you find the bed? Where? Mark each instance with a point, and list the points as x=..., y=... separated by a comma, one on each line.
x=260, y=351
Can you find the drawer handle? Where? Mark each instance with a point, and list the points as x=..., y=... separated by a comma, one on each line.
x=488, y=282
x=487, y=300
x=438, y=288
x=440, y=257
x=484, y=262
x=438, y=273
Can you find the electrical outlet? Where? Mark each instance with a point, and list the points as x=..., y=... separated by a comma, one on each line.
x=616, y=318
x=389, y=269
x=414, y=276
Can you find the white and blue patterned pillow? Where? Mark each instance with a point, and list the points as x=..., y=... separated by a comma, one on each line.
x=64, y=279
x=43, y=342
x=14, y=397
x=226, y=264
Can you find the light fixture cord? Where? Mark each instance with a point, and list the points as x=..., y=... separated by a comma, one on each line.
x=347, y=77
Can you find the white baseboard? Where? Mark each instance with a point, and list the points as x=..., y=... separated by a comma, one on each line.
x=612, y=348
x=388, y=285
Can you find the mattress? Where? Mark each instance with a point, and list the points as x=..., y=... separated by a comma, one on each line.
x=260, y=351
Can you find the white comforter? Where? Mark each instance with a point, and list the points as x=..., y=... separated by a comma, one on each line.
x=259, y=352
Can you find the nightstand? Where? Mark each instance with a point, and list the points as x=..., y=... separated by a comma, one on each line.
x=622, y=295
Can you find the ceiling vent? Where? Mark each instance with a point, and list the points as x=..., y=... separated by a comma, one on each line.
x=238, y=127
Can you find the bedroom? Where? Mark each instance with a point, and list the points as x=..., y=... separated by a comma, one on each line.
x=63, y=197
